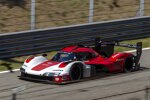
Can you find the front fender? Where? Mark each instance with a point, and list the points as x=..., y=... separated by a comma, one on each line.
x=29, y=62
x=68, y=67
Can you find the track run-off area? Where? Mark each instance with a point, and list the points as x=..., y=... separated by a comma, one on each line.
x=120, y=86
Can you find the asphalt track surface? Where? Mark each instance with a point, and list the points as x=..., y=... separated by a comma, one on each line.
x=120, y=86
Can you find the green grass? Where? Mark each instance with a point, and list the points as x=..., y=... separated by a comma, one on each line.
x=14, y=63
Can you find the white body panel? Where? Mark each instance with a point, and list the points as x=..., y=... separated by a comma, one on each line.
x=54, y=68
x=87, y=71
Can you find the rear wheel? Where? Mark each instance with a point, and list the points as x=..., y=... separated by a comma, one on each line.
x=76, y=71
x=128, y=66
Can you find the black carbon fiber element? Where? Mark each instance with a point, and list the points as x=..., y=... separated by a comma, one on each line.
x=34, y=77
x=40, y=41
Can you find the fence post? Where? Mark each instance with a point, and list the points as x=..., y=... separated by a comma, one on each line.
x=147, y=93
x=140, y=12
x=91, y=10
x=14, y=96
x=32, y=14
x=17, y=90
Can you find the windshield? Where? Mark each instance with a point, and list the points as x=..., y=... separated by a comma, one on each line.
x=62, y=56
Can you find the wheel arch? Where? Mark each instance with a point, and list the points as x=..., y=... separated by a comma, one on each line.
x=76, y=63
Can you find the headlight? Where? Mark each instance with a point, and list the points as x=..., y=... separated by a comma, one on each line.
x=51, y=74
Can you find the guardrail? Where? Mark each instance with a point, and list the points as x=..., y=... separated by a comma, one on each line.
x=40, y=41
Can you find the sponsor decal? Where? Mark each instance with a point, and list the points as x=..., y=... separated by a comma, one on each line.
x=120, y=59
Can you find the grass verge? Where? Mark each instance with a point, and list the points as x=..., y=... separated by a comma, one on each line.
x=15, y=14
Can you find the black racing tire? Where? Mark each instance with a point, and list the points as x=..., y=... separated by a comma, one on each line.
x=22, y=74
x=128, y=65
x=76, y=72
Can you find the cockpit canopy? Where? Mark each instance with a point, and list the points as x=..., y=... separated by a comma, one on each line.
x=79, y=56
x=63, y=56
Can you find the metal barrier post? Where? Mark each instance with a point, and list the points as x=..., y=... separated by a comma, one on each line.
x=14, y=96
x=140, y=13
x=147, y=93
x=32, y=14
x=91, y=10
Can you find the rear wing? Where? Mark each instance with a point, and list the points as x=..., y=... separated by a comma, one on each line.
x=107, y=48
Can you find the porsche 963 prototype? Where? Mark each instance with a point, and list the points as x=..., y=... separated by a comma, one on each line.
x=77, y=62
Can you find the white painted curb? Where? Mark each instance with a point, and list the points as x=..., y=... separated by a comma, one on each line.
x=7, y=71
x=135, y=50
x=124, y=51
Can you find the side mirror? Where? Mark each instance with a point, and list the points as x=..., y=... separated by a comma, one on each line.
x=44, y=55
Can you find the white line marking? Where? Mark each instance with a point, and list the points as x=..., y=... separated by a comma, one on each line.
x=7, y=71
x=135, y=50
x=124, y=51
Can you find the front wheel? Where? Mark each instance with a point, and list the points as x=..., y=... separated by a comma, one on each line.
x=76, y=71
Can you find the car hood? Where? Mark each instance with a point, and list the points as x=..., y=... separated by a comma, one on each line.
x=44, y=65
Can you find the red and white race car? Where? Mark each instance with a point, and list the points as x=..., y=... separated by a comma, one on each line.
x=78, y=62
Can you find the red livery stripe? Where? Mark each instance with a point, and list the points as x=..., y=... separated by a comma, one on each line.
x=29, y=59
x=44, y=65
x=62, y=65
